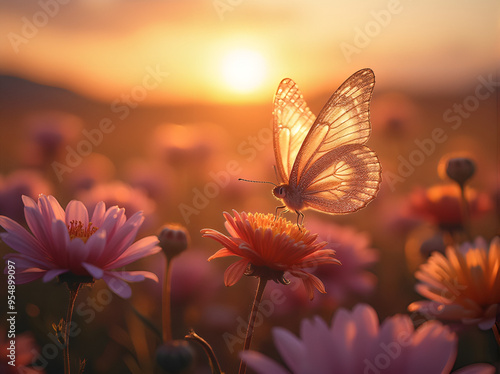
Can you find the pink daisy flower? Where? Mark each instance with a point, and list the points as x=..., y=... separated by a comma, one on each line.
x=67, y=241
x=357, y=343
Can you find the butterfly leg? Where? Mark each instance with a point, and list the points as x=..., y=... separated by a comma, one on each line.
x=300, y=217
x=283, y=211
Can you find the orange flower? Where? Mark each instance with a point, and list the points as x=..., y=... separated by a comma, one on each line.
x=441, y=204
x=462, y=286
x=269, y=247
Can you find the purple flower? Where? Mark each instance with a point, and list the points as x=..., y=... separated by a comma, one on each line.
x=356, y=343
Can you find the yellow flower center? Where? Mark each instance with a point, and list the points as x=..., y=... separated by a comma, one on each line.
x=76, y=229
x=278, y=225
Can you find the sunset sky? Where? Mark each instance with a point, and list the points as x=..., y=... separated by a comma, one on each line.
x=238, y=51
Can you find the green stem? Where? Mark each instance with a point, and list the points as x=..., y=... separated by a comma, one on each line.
x=73, y=293
x=251, y=322
x=166, y=317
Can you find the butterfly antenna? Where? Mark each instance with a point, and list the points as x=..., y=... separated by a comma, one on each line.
x=247, y=180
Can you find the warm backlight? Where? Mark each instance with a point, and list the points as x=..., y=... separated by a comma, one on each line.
x=243, y=70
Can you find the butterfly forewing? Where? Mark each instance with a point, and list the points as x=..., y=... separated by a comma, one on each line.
x=292, y=122
x=343, y=120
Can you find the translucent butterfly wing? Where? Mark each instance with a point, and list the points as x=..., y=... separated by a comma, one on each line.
x=345, y=119
x=343, y=180
x=292, y=121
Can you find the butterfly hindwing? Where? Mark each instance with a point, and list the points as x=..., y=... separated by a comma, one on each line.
x=343, y=180
x=292, y=120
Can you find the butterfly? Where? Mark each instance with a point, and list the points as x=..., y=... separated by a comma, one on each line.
x=322, y=163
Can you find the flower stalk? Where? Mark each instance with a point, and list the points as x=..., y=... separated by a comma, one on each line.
x=465, y=212
x=73, y=293
x=166, y=314
x=251, y=323
x=212, y=359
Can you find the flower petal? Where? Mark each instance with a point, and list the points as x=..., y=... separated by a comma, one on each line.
x=261, y=364
x=135, y=276
x=291, y=348
x=476, y=369
x=434, y=349
x=56, y=210
x=19, y=239
x=318, y=342
x=224, y=252
x=117, y=285
x=124, y=235
x=94, y=271
x=96, y=246
x=141, y=248
x=76, y=211
x=50, y=209
x=310, y=282
x=98, y=215
x=51, y=274
x=29, y=275
x=77, y=253
x=59, y=250
x=38, y=227
x=142, y=275
x=234, y=272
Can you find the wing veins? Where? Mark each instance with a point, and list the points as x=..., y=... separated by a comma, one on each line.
x=352, y=96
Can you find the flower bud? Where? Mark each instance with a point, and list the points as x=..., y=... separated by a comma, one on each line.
x=459, y=169
x=174, y=356
x=433, y=244
x=174, y=239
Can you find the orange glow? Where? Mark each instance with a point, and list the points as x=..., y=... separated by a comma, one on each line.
x=244, y=70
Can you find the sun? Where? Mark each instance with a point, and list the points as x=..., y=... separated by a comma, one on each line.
x=243, y=70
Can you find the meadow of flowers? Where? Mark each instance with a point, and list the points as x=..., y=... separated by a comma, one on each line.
x=153, y=258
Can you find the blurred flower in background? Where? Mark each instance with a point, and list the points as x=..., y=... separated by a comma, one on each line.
x=395, y=114
x=119, y=193
x=463, y=285
x=194, y=280
x=49, y=134
x=441, y=205
x=25, y=353
x=342, y=283
x=353, y=251
x=188, y=147
x=93, y=170
x=356, y=343
x=458, y=167
x=150, y=177
x=16, y=184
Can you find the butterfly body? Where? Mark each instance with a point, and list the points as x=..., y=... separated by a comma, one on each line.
x=322, y=162
x=290, y=197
